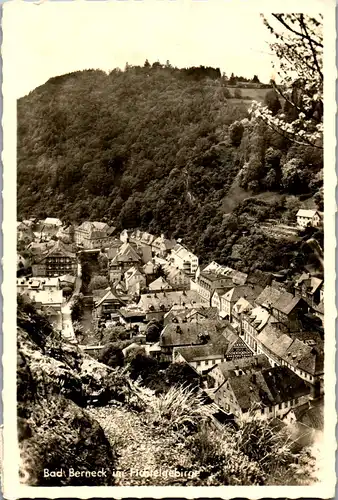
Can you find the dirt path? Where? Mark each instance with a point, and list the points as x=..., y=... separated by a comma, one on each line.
x=142, y=451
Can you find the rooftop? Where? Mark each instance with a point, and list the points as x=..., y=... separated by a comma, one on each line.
x=165, y=300
x=268, y=387
x=306, y=213
x=247, y=364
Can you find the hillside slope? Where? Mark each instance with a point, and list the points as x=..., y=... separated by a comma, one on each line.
x=151, y=148
x=130, y=428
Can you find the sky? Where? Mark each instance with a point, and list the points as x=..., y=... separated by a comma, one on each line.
x=53, y=38
x=50, y=38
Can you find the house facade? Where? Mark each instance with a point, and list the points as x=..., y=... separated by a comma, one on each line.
x=229, y=299
x=307, y=218
x=178, y=279
x=264, y=394
x=56, y=261
x=309, y=287
x=201, y=358
x=182, y=258
x=208, y=283
x=107, y=306
x=92, y=235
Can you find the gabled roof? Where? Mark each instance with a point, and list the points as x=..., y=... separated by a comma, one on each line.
x=242, y=305
x=183, y=252
x=93, y=227
x=267, y=388
x=249, y=292
x=312, y=283
x=268, y=296
x=172, y=272
x=160, y=284
x=237, y=277
x=286, y=302
x=259, y=317
x=205, y=312
x=107, y=297
x=58, y=249
x=307, y=213
x=163, y=243
x=131, y=272
x=183, y=334
x=202, y=352
x=245, y=364
x=295, y=352
x=149, y=266
x=165, y=300
x=275, y=340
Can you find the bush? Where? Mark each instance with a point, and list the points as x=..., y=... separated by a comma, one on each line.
x=236, y=131
x=111, y=355
x=180, y=409
x=59, y=435
x=98, y=282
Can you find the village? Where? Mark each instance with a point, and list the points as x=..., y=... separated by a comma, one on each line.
x=255, y=340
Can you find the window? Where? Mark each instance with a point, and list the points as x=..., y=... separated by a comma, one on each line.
x=280, y=406
x=270, y=409
x=262, y=411
x=296, y=401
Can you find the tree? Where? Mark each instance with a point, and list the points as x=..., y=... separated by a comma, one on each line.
x=112, y=355
x=293, y=177
x=236, y=131
x=255, y=79
x=238, y=94
x=272, y=102
x=232, y=79
x=182, y=374
x=98, y=282
x=67, y=291
x=153, y=331
x=146, y=64
x=77, y=307
x=299, y=48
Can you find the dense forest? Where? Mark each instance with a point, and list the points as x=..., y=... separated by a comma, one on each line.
x=167, y=150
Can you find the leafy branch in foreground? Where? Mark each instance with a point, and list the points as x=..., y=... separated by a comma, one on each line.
x=299, y=49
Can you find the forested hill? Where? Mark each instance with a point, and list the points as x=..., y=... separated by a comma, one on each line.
x=158, y=149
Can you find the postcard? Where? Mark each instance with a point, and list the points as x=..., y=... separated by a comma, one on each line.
x=169, y=169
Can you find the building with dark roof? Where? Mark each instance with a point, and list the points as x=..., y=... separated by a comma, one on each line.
x=209, y=281
x=265, y=394
x=92, y=234
x=308, y=287
x=288, y=310
x=222, y=344
x=156, y=305
x=240, y=366
x=56, y=260
x=229, y=299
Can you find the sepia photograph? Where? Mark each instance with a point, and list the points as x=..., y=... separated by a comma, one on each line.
x=164, y=173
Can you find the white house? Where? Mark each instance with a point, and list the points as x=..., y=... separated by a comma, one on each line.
x=182, y=258
x=307, y=218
